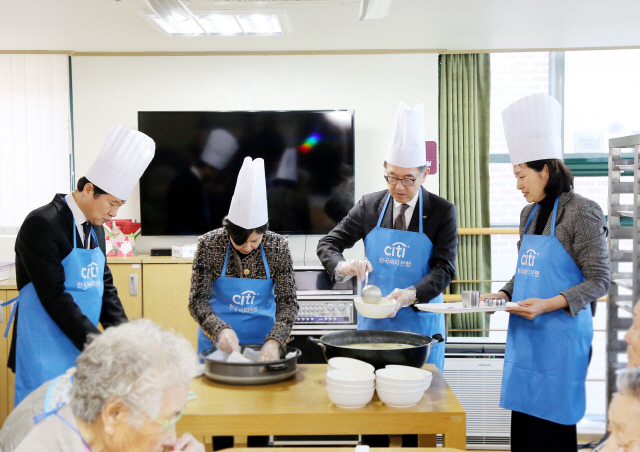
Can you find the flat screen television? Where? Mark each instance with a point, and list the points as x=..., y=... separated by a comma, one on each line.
x=308, y=157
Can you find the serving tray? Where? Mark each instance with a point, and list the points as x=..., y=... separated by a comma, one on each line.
x=456, y=308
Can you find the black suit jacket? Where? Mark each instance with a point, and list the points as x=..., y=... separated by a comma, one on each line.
x=44, y=240
x=439, y=224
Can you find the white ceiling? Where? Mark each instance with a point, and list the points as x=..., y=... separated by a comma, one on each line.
x=115, y=26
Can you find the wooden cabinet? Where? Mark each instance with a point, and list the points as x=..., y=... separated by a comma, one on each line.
x=166, y=286
x=127, y=277
x=6, y=376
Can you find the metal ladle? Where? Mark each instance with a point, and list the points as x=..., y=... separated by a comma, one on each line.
x=370, y=294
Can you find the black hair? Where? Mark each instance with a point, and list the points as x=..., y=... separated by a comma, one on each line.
x=241, y=235
x=560, y=178
x=97, y=191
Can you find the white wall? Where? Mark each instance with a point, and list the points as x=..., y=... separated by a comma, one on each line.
x=111, y=90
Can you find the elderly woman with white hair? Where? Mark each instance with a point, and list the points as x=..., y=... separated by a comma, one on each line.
x=624, y=415
x=129, y=390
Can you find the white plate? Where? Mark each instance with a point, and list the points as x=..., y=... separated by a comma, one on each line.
x=456, y=308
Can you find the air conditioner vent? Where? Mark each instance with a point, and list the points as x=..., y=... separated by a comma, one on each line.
x=477, y=383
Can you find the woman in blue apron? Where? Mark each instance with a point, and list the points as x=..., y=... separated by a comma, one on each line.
x=562, y=270
x=242, y=286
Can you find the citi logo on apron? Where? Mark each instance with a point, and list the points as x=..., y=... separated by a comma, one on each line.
x=398, y=249
x=529, y=258
x=90, y=271
x=245, y=298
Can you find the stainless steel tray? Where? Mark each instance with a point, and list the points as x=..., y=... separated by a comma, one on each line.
x=251, y=373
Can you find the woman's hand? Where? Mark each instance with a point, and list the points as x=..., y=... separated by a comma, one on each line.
x=187, y=443
x=270, y=351
x=533, y=307
x=228, y=341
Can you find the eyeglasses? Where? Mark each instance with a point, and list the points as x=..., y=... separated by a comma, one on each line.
x=394, y=180
x=166, y=423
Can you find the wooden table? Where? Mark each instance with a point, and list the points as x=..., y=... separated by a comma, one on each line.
x=300, y=406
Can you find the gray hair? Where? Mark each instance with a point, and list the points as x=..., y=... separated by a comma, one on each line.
x=628, y=382
x=421, y=168
x=136, y=362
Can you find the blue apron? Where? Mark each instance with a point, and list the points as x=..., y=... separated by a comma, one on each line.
x=43, y=351
x=247, y=305
x=546, y=359
x=400, y=259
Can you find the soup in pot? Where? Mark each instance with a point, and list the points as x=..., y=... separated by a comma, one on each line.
x=377, y=346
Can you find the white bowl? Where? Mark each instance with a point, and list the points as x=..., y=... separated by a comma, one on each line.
x=351, y=376
x=348, y=389
x=400, y=389
x=400, y=400
x=350, y=400
x=406, y=374
x=349, y=363
x=375, y=311
x=424, y=372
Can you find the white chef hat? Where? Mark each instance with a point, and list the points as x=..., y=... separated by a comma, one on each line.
x=288, y=167
x=533, y=128
x=407, y=147
x=219, y=149
x=123, y=158
x=249, y=203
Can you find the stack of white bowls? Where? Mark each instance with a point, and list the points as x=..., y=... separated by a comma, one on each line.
x=350, y=388
x=427, y=375
x=400, y=387
x=349, y=363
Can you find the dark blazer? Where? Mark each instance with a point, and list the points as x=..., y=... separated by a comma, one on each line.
x=439, y=224
x=43, y=241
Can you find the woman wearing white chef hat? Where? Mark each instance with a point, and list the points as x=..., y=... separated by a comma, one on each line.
x=243, y=287
x=562, y=269
x=65, y=286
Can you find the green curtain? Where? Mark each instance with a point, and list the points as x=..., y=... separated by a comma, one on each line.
x=465, y=88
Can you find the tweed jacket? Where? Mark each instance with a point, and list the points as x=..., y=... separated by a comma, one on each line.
x=207, y=267
x=582, y=231
x=439, y=223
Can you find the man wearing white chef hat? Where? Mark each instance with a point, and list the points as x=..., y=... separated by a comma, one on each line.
x=243, y=288
x=65, y=286
x=410, y=237
x=562, y=269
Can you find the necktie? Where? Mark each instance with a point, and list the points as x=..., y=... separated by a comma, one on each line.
x=86, y=227
x=400, y=223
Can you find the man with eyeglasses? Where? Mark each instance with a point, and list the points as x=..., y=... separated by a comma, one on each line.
x=410, y=238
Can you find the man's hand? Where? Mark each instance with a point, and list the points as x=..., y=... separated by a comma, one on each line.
x=403, y=298
x=354, y=267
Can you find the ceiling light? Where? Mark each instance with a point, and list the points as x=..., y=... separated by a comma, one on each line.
x=171, y=11
x=374, y=9
x=186, y=28
x=219, y=24
x=262, y=24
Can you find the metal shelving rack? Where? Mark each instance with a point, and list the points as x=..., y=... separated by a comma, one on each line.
x=624, y=248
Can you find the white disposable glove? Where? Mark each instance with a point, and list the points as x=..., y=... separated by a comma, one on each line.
x=270, y=351
x=354, y=267
x=403, y=298
x=228, y=341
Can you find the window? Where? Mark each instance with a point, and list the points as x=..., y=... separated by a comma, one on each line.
x=35, y=138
